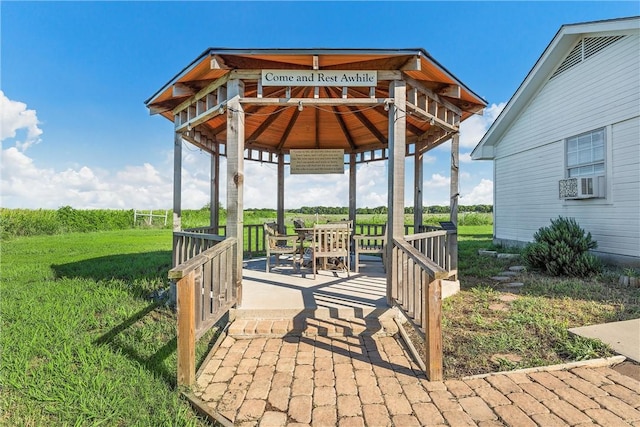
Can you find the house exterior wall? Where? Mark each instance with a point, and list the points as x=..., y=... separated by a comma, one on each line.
x=601, y=92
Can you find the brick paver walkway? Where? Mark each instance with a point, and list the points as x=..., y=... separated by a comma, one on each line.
x=371, y=381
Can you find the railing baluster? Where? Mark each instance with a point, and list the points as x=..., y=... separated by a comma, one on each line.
x=199, y=279
x=420, y=293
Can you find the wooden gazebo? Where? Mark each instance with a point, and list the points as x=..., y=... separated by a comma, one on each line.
x=348, y=106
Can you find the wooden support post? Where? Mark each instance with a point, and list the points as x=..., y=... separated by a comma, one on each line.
x=453, y=204
x=352, y=196
x=417, y=190
x=214, y=203
x=235, y=177
x=186, y=333
x=433, y=330
x=177, y=182
x=397, y=143
x=280, y=207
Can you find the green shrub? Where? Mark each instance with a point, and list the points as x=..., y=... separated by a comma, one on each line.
x=562, y=249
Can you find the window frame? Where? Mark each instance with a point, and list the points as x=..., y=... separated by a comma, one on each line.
x=568, y=168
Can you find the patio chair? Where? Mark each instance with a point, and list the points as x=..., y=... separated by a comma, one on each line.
x=331, y=241
x=369, y=244
x=279, y=244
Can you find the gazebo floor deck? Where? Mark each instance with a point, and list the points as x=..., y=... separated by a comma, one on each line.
x=287, y=290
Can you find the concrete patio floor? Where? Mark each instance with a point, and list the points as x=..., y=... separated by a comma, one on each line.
x=290, y=289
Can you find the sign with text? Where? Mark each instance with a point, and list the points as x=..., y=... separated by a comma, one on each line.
x=319, y=78
x=317, y=161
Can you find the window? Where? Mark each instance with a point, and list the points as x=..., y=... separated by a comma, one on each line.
x=585, y=154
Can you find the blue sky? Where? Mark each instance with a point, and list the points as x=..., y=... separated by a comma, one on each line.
x=75, y=130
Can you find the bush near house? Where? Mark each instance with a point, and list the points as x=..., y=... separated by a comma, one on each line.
x=562, y=249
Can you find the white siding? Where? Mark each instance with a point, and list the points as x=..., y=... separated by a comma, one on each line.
x=603, y=91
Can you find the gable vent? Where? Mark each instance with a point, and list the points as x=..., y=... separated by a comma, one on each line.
x=586, y=48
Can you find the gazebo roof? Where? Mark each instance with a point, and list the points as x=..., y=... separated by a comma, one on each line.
x=280, y=126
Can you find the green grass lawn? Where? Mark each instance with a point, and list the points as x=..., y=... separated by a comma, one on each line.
x=488, y=328
x=82, y=341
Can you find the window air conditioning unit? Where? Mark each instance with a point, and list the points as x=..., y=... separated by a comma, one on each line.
x=583, y=187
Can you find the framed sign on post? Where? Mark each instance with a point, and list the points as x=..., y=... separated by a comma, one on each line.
x=316, y=161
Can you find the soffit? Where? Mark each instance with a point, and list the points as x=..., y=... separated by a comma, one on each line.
x=282, y=128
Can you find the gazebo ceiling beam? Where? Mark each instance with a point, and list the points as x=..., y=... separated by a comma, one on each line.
x=341, y=122
x=367, y=123
x=290, y=125
x=223, y=127
x=316, y=101
x=435, y=139
x=287, y=131
x=317, y=120
x=343, y=127
x=417, y=111
x=432, y=95
x=214, y=85
x=265, y=124
x=451, y=91
x=413, y=64
x=201, y=139
x=410, y=126
x=188, y=88
x=205, y=116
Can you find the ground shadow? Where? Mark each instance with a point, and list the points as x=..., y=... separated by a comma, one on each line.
x=151, y=363
x=137, y=269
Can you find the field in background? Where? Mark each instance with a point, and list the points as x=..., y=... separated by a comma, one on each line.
x=35, y=222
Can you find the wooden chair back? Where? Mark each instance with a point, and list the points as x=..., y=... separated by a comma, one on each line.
x=331, y=241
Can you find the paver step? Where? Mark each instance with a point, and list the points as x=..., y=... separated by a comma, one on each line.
x=312, y=326
x=318, y=313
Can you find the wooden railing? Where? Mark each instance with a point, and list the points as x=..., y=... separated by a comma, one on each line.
x=206, y=290
x=187, y=244
x=254, y=238
x=417, y=289
x=438, y=247
x=221, y=230
x=377, y=229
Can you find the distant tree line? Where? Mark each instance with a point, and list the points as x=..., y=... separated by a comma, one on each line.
x=381, y=210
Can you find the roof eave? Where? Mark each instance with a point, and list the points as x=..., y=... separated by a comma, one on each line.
x=544, y=66
x=210, y=52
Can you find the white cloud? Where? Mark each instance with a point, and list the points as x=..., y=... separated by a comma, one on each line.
x=14, y=117
x=150, y=186
x=24, y=184
x=437, y=181
x=481, y=194
x=474, y=128
x=465, y=157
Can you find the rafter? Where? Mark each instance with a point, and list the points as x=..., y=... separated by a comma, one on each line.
x=223, y=125
x=265, y=124
x=290, y=125
x=343, y=125
x=417, y=111
x=363, y=119
x=315, y=101
x=432, y=95
x=214, y=85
